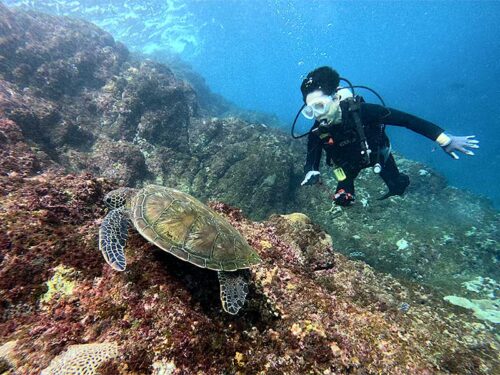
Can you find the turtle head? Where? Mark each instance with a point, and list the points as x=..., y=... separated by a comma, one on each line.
x=118, y=198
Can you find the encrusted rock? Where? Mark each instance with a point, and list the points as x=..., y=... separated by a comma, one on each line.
x=82, y=359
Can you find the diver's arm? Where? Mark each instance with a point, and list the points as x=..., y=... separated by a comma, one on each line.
x=311, y=169
x=314, y=150
x=374, y=113
x=390, y=116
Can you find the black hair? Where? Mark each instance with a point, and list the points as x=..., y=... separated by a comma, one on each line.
x=324, y=78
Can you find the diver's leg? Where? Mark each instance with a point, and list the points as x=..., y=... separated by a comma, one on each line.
x=348, y=183
x=344, y=194
x=396, y=181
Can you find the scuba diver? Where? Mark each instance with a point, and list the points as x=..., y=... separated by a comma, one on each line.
x=352, y=133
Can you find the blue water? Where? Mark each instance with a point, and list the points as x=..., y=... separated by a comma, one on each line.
x=435, y=59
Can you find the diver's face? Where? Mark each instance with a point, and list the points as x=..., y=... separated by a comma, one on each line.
x=321, y=106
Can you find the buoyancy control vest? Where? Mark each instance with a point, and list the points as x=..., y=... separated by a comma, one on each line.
x=353, y=124
x=351, y=134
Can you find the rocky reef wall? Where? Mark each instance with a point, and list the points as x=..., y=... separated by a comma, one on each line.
x=73, y=100
x=77, y=95
x=309, y=310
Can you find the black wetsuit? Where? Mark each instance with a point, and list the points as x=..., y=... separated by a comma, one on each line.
x=342, y=144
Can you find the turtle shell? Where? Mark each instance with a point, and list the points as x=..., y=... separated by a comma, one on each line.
x=183, y=226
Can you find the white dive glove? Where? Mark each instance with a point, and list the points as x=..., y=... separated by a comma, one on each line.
x=450, y=144
x=311, y=178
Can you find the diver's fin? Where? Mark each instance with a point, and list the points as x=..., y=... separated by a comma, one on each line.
x=386, y=195
x=397, y=187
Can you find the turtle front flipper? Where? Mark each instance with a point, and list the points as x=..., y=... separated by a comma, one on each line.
x=113, y=235
x=233, y=290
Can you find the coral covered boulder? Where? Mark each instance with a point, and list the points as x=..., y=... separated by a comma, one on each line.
x=309, y=308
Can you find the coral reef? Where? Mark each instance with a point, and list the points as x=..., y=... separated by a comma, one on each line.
x=137, y=123
x=134, y=122
x=78, y=117
x=52, y=51
x=310, y=309
x=435, y=234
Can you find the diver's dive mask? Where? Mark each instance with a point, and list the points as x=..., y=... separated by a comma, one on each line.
x=318, y=106
x=320, y=110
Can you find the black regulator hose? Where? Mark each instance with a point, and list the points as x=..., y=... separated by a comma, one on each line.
x=295, y=121
x=350, y=85
x=372, y=91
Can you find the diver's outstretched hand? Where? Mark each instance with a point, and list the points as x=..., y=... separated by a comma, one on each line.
x=461, y=144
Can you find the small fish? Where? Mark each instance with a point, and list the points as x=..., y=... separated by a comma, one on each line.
x=404, y=307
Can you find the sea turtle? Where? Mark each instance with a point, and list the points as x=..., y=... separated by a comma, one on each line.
x=183, y=226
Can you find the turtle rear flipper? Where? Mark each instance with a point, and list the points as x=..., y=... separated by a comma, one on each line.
x=113, y=238
x=233, y=290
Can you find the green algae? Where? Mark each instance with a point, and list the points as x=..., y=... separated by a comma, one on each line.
x=482, y=285
x=60, y=285
x=483, y=309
